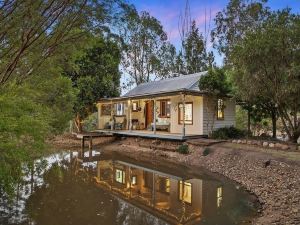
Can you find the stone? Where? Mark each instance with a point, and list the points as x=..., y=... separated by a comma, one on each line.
x=265, y=144
x=249, y=142
x=234, y=141
x=239, y=141
x=244, y=142
x=271, y=145
x=298, y=140
x=281, y=146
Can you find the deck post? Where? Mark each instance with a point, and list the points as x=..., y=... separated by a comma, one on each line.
x=130, y=115
x=82, y=147
x=183, y=114
x=154, y=116
x=90, y=146
x=112, y=116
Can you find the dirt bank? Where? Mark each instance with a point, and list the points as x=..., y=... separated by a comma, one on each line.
x=272, y=177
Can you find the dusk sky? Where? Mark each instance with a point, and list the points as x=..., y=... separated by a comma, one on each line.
x=168, y=11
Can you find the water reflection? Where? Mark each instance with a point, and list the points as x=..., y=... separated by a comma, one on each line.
x=111, y=189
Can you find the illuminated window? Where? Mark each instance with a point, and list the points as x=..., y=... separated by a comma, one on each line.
x=133, y=180
x=188, y=113
x=219, y=196
x=119, y=109
x=135, y=106
x=185, y=191
x=120, y=176
x=164, y=184
x=165, y=108
x=220, y=113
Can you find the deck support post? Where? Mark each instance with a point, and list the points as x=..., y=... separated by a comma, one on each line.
x=154, y=116
x=112, y=116
x=90, y=147
x=82, y=147
x=183, y=114
x=130, y=114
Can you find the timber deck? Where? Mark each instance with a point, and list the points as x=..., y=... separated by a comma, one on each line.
x=149, y=134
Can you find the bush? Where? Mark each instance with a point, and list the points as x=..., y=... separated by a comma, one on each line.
x=206, y=151
x=228, y=133
x=183, y=149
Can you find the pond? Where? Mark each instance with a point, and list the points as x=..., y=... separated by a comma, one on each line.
x=114, y=189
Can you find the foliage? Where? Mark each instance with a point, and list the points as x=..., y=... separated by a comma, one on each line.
x=33, y=31
x=183, y=149
x=228, y=133
x=206, y=152
x=234, y=21
x=276, y=78
x=95, y=75
x=146, y=49
x=215, y=82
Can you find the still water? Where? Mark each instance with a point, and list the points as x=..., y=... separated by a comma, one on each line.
x=113, y=189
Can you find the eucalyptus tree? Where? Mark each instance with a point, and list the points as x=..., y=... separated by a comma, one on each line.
x=144, y=46
x=267, y=65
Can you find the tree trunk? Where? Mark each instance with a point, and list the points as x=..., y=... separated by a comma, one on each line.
x=274, y=125
x=78, y=123
x=248, y=124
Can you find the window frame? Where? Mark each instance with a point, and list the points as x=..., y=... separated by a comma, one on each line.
x=137, y=106
x=221, y=110
x=116, y=108
x=123, y=176
x=165, y=101
x=192, y=121
x=179, y=188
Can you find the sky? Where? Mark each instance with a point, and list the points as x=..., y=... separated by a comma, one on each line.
x=168, y=11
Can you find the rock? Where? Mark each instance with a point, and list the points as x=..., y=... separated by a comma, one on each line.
x=249, y=142
x=271, y=145
x=244, y=142
x=239, y=141
x=265, y=144
x=281, y=146
x=298, y=140
x=267, y=163
x=234, y=141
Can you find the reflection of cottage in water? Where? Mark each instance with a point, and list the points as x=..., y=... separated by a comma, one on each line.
x=174, y=199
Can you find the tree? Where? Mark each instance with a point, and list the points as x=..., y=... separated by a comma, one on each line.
x=275, y=79
x=234, y=21
x=216, y=85
x=34, y=30
x=194, y=51
x=145, y=47
x=96, y=75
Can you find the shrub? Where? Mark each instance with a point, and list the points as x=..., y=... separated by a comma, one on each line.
x=206, y=151
x=183, y=149
x=228, y=133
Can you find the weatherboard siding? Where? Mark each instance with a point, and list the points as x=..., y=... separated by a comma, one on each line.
x=209, y=118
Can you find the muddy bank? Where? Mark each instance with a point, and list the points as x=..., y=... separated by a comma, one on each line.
x=274, y=181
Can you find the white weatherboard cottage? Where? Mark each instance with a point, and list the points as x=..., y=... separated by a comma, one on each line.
x=174, y=107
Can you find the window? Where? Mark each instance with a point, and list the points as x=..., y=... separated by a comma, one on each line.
x=106, y=110
x=135, y=106
x=185, y=192
x=165, y=108
x=120, y=176
x=219, y=196
x=188, y=117
x=134, y=180
x=164, y=184
x=119, y=109
x=220, y=113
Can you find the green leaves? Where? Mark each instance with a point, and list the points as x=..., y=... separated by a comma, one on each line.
x=215, y=83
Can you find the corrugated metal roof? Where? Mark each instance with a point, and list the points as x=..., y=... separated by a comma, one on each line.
x=183, y=82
